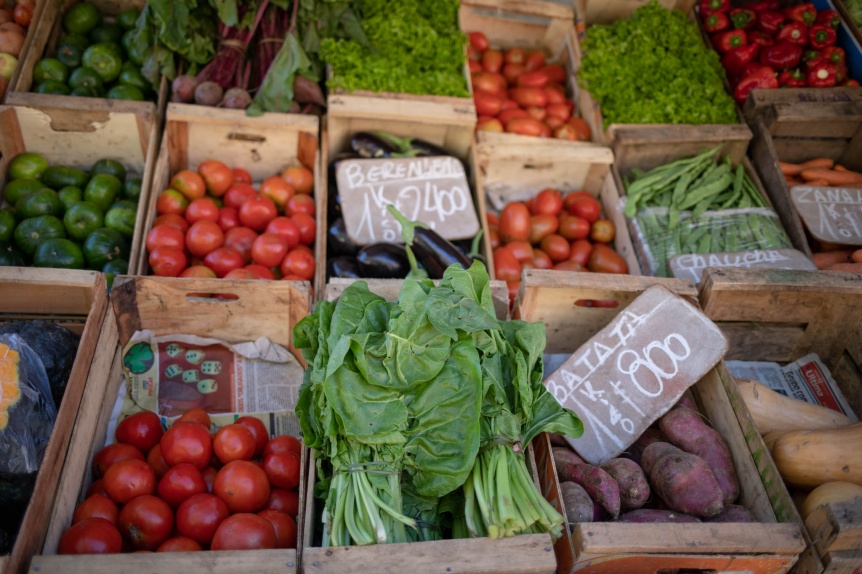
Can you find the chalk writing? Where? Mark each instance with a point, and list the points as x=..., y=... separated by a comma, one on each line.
x=830, y=214
x=691, y=266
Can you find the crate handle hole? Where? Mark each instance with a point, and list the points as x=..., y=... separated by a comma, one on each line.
x=613, y=304
x=251, y=138
x=686, y=571
x=548, y=165
x=212, y=297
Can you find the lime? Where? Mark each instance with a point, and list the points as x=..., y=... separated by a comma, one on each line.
x=126, y=92
x=109, y=166
x=106, y=33
x=27, y=165
x=122, y=218
x=82, y=18
x=69, y=196
x=132, y=189
x=7, y=225
x=132, y=76
x=59, y=176
x=129, y=19
x=50, y=69
x=104, y=58
x=36, y=203
x=19, y=188
x=105, y=245
x=83, y=92
x=82, y=219
x=70, y=52
x=31, y=232
x=52, y=87
x=103, y=190
x=59, y=253
x=85, y=77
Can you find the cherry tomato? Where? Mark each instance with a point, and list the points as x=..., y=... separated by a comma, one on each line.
x=129, y=479
x=114, y=453
x=492, y=61
x=172, y=219
x=515, y=223
x=478, y=40
x=257, y=429
x=204, y=237
x=257, y=211
x=179, y=544
x=237, y=194
x=234, y=442
x=96, y=506
x=587, y=207
x=286, y=228
x=97, y=488
x=241, y=176
x=167, y=262
x=299, y=262
x=228, y=218
x=534, y=60
x=278, y=190
x=181, y=482
x=284, y=526
x=244, y=531
x=281, y=444
x=282, y=469
x=506, y=265
x=155, y=460
x=259, y=272
x=243, y=486
x=573, y=227
x=146, y=522
x=605, y=260
x=199, y=517
x=224, y=260
x=171, y=201
x=548, y=202
x=196, y=415
x=522, y=250
x=217, y=177
x=91, y=536
x=187, y=442
x=514, y=56
x=142, y=430
x=541, y=260
x=189, y=183
x=300, y=204
x=556, y=247
x=202, y=209
x=602, y=231
x=165, y=236
x=541, y=226
x=284, y=500
x=301, y=178
x=580, y=252
x=241, y=239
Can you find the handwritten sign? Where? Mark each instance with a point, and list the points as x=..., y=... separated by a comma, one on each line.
x=634, y=370
x=831, y=214
x=691, y=265
x=432, y=190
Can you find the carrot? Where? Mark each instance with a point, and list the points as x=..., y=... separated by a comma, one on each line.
x=817, y=183
x=790, y=168
x=832, y=177
x=817, y=163
x=847, y=267
x=856, y=256
x=839, y=167
x=826, y=260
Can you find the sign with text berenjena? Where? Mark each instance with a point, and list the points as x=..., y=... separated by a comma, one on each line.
x=634, y=370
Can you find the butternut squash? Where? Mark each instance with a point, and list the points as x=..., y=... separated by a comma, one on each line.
x=773, y=411
x=830, y=492
x=770, y=438
x=809, y=458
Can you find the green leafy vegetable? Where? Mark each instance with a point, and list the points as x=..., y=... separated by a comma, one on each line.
x=276, y=91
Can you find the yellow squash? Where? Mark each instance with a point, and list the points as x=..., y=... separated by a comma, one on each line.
x=830, y=492
x=773, y=411
x=809, y=458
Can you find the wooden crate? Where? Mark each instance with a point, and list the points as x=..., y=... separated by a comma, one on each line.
x=38, y=8
x=169, y=306
x=77, y=300
x=781, y=316
x=771, y=545
x=796, y=132
x=263, y=146
x=79, y=134
x=762, y=100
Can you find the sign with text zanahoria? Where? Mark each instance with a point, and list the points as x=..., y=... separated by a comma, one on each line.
x=831, y=214
x=433, y=190
x=691, y=265
x=634, y=370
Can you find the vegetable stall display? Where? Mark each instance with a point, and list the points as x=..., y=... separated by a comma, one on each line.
x=15, y=22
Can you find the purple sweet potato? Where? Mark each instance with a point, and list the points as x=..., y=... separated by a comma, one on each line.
x=599, y=485
x=634, y=490
x=647, y=516
x=685, y=483
x=578, y=504
x=564, y=459
x=649, y=436
x=686, y=402
x=655, y=451
x=558, y=440
x=733, y=513
x=685, y=429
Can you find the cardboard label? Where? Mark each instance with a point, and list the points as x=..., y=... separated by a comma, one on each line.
x=831, y=214
x=433, y=190
x=634, y=370
x=691, y=265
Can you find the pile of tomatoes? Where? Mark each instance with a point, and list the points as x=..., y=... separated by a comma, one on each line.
x=552, y=231
x=517, y=91
x=184, y=490
x=213, y=223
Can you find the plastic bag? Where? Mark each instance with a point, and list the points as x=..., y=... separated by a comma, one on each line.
x=713, y=232
x=27, y=410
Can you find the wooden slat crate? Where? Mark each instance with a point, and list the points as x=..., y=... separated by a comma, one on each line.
x=761, y=100
x=79, y=135
x=263, y=146
x=169, y=306
x=77, y=300
x=771, y=545
x=796, y=132
x=781, y=316
x=607, y=11
x=29, y=39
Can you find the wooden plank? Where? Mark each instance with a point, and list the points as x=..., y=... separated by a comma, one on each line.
x=39, y=15
x=608, y=11
x=223, y=562
x=759, y=100
x=842, y=563
x=837, y=527
x=766, y=341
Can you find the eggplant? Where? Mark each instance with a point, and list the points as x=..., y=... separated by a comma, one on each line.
x=383, y=261
x=371, y=146
x=424, y=148
x=338, y=240
x=433, y=251
x=343, y=267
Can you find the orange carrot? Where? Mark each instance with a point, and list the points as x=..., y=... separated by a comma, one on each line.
x=839, y=167
x=790, y=168
x=826, y=260
x=847, y=267
x=856, y=256
x=791, y=181
x=832, y=177
x=817, y=163
x=817, y=183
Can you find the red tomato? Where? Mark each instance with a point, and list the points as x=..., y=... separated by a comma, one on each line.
x=189, y=183
x=488, y=83
x=486, y=124
x=537, y=113
x=533, y=79
x=234, y=442
x=556, y=247
x=242, y=274
x=228, y=218
x=580, y=252
x=582, y=128
x=237, y=194
x=474, y=65
x=181, y=482
x=553, y=122
x=513, y=113
x=561, y=111
x=605, y=260
x=300, y=263
x=541, y=260
x=281, y=444
x=556, y=73
x=165, y=236
x=171, y=201
x=514, y=56
x=259, y=272
x=573, y=196
x=284, y=500
x=587, y=207
x=257, y=211
x=204, y=237
x=244, y=531
x=257, y=429
x=146, y=522
x=241, y=239
x=301, y=178
x=568, y=265
x=278, y=190
x=566, y=132
x=478, y=40
x=541, y=226
x=241, y=176
x=172, y=219
x=155, y=460
x=526, y=127
x=286, y=228
x=282, y=469
x=522, y=250
x=209, y=474
x=91, y=536
x=602, y=231
x=142, y=430
x=573, y=227
x=506, y=265
x=512, y=71
x=199, y=517
x=515, y=223
x=97, y=488
x=492, y=61
x=179, y=544
x=492, y=218
x=22, y=15
x=300, y=204
x=243, y=486
x=557, y=100
x=224, y=260
x=487, y=104
x=96, y=506
x=527, y=97
x=114, y=453
x=548, y=202
x=202, y=209
x=217, y=177
x=187, y=442
x=167, y=262
x=494, y=236
x=129, y=479
x=534, y=60
x=196, y=415
x=284, y=526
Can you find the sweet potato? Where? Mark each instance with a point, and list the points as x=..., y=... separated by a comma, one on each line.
x=565, y=459
x=634, y=490
x=649, y=436
x=828, y=258
x=578, y=504
x=599, y=485
x=686, y=402
x=685, y=483
x=733, y=513
x=686, y=430
x=654, y=452
x=649, y=516
x=558, y=440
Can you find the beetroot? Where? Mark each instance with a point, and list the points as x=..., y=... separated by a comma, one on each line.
x=654, y=452
x=648, y=516
x=634, y=490
x=183, y=88
x=208, y=94
x=236, y=99
x=307, y=91
x=685, y=483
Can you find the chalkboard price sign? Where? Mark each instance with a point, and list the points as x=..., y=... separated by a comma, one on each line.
x=433, y=190
x=831, y=214
x=634, y=370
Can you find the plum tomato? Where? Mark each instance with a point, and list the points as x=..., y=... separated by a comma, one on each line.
x=541, y=260
x=478, y=41
x=142, y=430
x=506, y=265
x=114, y=453
x=243, y=486
x=605, y=260
x=204, y=237
x=515, y=222
x=572, y=197
x=258, y=430
x=541, y=226
x=573, y=227
x=187, y=442
x=234, y=442
x=181, y=482
x=128, y=479
x=587, y=207
x=556, y=247
x=91, y=536
x=580, y=252
x=522, y=251
x=548, y=202
x=244, y=531
x=146, y=522
x=492, y=61
x=199, y=517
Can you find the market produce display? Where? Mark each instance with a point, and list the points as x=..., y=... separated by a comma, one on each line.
x=214, y=223
x=418, y=446
x=765, y=46
x=517, y=91
x=183, y=489
x=15, y=20
x=854, y=8
x=66, y=217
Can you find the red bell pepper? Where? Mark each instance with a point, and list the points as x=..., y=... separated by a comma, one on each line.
x=840, y=73
x=833, y=54
x=760, y=38
x=821, y=36
x=770, y=21
x=793, y=32
x=853, y=83
x=751, y=68
x=823, y=75
x=830, y=18
x=803, y=13
x=811, y=58
x=771, y=5
x=711, y=6
x=781, y=56
x=716, y=22
x=724, y=42
x=761, y=79
x=743, y=18
x=735, y=60
x=792, y=79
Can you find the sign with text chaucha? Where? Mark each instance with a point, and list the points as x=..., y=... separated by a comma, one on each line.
x=831, y=214
x=691, y=265
x=634, y=370
x=433, y=190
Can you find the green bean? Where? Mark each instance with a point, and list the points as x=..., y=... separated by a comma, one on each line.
x=707, y=191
